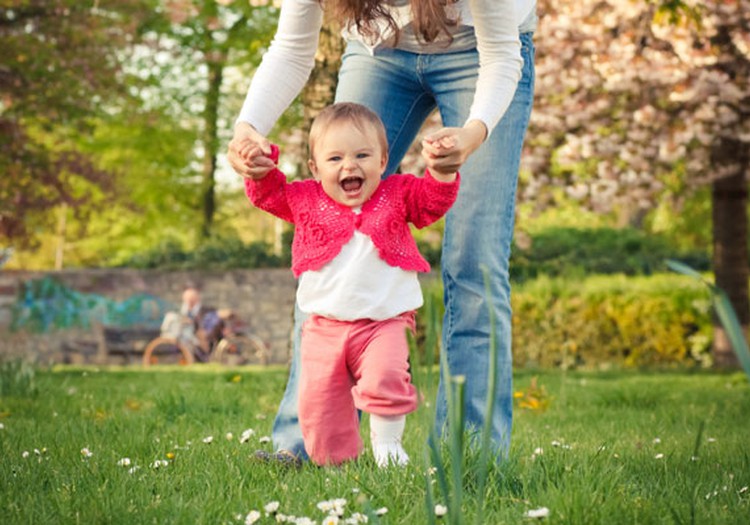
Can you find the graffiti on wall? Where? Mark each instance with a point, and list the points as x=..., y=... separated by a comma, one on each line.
x=45, y=304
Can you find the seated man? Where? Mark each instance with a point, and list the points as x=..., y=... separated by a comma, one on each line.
x=196, y=325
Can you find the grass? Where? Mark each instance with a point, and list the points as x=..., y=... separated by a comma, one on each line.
x=614, y=447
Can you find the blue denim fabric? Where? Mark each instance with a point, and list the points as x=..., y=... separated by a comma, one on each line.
x=404, y=88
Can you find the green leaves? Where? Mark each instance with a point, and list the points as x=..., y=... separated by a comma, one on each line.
x=724, y=311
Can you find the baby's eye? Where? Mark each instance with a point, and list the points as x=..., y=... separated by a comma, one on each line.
x=334, y=158
x=362, y=155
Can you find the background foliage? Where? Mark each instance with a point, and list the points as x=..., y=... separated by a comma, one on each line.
x=104, y=123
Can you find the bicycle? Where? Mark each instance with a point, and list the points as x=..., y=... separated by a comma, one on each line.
x=237, y=346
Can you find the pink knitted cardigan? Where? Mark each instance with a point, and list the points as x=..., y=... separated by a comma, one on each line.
x=323, y=226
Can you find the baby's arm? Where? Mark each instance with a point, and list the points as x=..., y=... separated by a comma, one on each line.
x=266, y=187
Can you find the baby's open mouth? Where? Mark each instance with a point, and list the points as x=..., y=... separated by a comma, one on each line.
x=352, y=183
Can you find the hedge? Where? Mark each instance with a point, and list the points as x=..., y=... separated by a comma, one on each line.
x=604, y=321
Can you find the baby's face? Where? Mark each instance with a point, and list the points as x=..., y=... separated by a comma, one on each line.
x=348, y=162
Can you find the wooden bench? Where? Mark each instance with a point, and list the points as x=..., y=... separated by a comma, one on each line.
x=127, y=343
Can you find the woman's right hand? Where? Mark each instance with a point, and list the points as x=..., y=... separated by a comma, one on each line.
x=246, y=142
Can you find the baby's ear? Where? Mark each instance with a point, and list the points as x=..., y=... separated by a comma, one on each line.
x=384, y=162
x=313, y=167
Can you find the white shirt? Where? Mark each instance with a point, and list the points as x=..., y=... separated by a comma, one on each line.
x=290, y=58
x=358, y=284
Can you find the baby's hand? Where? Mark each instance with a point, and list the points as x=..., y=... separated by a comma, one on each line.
x=257, y=162
x=434, y=152
x=441, y=143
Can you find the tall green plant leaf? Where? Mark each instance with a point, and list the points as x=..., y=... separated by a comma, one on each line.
x=725, y=312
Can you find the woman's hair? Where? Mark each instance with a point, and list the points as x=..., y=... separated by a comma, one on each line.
x=358, y=115
x=429, y=16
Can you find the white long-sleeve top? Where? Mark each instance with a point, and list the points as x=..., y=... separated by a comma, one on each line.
x=290, y=58
x=359, y=284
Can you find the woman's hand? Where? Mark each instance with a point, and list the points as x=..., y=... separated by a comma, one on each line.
x=447, y=149
x=249, y=152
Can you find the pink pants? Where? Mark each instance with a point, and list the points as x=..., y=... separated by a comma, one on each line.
x=350, y=365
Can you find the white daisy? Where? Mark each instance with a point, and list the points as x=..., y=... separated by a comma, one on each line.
x=440, y=510
x=252, y=517
x=541, y=512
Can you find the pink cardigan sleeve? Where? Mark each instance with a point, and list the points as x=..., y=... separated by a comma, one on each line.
x=427, y=199
x=270, y=194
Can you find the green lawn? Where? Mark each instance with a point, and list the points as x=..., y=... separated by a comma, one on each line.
x=609, y=448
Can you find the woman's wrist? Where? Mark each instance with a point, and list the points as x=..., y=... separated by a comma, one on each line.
x=477, y=131
x=243, y=124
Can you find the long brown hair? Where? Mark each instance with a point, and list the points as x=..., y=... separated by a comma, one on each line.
x=429, y=16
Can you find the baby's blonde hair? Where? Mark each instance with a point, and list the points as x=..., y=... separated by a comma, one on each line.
x=358, y=115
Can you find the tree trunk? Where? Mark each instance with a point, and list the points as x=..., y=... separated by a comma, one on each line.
x=730, y=257
x=210, y=143
x=320, y=89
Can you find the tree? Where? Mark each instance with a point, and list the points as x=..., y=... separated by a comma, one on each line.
x=130, y=147
x=204, y=39
x=59, y=67
x=644, y=101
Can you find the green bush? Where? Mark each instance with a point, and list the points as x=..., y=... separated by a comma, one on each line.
x=566, y=251
x=601, y=321
x=625, y=321
x=552, y=251
x=574, y=251
x=213, y=254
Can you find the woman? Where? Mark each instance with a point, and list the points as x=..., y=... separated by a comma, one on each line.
x=473, y=60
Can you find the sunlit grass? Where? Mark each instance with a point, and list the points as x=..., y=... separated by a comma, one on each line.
x=608, y=448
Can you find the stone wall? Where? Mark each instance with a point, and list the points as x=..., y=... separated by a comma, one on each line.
x=264, y=298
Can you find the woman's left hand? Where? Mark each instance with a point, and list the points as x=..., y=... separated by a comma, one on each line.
x=447, y=149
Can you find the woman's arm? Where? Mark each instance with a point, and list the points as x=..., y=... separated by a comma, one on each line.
x=280, y=77
x=286, y=65
x=500, y=61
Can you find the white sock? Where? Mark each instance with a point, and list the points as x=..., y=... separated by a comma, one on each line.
x=385, y=436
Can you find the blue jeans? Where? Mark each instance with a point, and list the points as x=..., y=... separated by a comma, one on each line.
x=404, y=88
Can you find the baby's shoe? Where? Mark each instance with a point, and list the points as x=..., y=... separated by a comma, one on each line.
x=387, y=454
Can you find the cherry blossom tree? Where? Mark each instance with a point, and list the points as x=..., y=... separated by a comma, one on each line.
x=640, y=100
